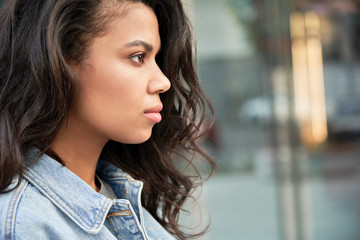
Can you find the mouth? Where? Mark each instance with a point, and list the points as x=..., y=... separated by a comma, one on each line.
x=154, y=113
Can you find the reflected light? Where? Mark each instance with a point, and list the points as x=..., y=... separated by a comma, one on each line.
x=308, y=77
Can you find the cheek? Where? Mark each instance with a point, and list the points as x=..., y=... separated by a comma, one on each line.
x=113, y=106
x=111, y=99
x=108, y=86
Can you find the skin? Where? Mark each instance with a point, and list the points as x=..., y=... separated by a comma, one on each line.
x=119, y=84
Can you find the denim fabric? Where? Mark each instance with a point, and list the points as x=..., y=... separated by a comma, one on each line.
x=53, y=203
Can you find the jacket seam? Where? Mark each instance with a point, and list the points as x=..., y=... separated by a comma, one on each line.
x=12, y=207
x=137, y=221
x=63, y=204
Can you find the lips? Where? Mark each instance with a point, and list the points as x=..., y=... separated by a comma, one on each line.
x=154, y=113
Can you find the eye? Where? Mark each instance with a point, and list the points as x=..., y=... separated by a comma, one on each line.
x=139, y=58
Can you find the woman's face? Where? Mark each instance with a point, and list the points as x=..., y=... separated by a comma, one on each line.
x=120, y=82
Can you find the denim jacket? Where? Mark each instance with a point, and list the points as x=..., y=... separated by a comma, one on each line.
x=51, y=202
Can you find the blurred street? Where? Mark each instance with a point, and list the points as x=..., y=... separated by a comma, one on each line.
x=244, y=204
x=285, y=82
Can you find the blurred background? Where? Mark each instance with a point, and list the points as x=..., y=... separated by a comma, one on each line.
x=284, y=79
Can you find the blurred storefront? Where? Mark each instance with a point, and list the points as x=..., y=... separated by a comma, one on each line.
x=285, y=82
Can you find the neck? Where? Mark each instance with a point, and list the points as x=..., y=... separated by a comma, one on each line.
x=80, y=152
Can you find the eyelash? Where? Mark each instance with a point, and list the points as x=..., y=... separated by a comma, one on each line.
x=138, y=58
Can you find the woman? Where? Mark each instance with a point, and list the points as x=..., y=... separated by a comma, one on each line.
x=82, y=85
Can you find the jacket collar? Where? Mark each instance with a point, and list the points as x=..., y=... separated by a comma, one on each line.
x=87, y=208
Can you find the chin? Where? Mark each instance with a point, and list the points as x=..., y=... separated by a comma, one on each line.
x=136, y=138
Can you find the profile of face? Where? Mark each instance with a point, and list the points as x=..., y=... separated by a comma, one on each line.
x=120, y=83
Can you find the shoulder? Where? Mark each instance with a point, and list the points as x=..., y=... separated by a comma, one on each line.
x=9, y=202
x=25, y=208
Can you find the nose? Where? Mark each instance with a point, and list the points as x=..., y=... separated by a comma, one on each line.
x=159, y=82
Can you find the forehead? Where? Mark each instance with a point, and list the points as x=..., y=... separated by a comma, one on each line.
x=130, y=22
x=135, y=20
x=116, y=9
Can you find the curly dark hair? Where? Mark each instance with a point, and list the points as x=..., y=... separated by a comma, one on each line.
x=37, y=88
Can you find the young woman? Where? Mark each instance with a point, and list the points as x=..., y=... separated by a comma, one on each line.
x=93, y=95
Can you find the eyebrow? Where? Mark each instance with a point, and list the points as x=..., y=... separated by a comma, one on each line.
x=148, y=47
